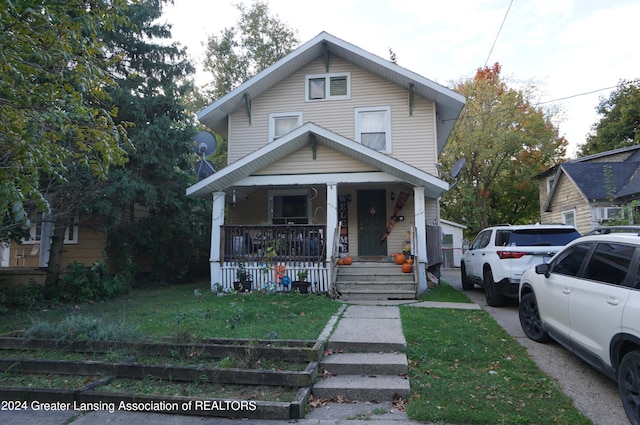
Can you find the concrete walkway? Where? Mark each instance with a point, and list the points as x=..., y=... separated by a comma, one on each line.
x=368, y=326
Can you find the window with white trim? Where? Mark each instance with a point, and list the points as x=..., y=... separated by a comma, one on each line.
x=569, y=217
x=289, y=206
x=282, y=123
x=373, y=127
x=334, y=86
x=70, y=233
x=550, y=181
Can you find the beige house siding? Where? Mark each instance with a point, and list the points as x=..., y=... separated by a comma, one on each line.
x=327, y=161
x=567, y=198
x=413, y=136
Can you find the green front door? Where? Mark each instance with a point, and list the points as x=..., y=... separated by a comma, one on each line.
x=372, y=222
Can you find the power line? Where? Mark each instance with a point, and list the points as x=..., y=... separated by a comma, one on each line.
x=498, y=34
x=575, y=95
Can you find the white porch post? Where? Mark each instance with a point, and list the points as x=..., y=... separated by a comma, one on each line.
x=332, y=219
x=217, y=220
x=421, y=237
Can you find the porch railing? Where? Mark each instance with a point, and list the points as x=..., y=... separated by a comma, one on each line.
x=278, y=243
x=269, y=252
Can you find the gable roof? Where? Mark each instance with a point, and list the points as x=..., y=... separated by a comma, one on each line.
x=300, y=137
x=449, y=104
x=600, y=181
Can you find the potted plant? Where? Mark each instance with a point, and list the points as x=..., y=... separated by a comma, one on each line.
x=301, y=285
x=243, y=278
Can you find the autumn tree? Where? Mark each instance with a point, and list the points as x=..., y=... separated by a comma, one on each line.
x=619, y=125
x=506, y=140
x=256, y=41
x=54, y=83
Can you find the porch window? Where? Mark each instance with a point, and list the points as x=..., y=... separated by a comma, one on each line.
x=289, y=207
x=282, y=123
x=373, y=127
x=328, y=86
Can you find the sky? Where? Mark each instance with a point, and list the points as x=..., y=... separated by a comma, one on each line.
x=565, y=48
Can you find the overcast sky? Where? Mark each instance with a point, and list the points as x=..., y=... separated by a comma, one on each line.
x=566, y=47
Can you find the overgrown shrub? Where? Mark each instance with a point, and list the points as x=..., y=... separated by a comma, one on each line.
x=89, y=283
x=22, y=298
x=83, y=328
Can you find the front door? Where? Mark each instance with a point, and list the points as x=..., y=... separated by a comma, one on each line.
x=372, y=222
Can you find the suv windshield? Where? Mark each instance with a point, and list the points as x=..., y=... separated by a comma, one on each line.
x=542, y=237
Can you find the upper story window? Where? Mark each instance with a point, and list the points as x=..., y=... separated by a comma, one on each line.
x=282, y=123
x=373, y=127
x=334, y=86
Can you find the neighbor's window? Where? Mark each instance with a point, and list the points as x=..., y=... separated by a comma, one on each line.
x=289, y=207
x=373, y=127
x=282, y=123
x=70, y=234
x=328, y=87
x=569, y=217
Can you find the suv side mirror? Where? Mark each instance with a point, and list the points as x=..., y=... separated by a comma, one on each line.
x=544, y=269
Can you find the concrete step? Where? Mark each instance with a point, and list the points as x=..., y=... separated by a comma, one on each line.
x=365, y=364
x=369, y=294
x=366, y=388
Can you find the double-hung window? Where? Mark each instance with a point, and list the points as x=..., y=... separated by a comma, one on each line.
x=334, y=86
x=289, y=207
x=282, y=123
x=373, y=127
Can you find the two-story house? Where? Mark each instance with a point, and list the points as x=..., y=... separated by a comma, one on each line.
x=591, y=191
x=332, y=151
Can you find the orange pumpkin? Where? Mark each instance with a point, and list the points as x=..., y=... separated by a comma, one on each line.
x=340, y=262
x=348, y=260
x=400, y=259
x=407, y=268
x=410, y=261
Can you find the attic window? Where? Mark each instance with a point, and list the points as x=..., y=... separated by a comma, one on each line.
x=333, y=86
x=282, y=123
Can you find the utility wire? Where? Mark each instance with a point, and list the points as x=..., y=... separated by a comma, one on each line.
x=498, y=34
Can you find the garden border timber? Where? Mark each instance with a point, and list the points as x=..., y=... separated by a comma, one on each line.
x=263, y=409
x=303, y=350
x=171, y=373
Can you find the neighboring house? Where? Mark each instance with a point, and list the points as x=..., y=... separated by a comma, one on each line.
x=452, y=241
x=82, y=244
x=331, y=151
x=590, y=191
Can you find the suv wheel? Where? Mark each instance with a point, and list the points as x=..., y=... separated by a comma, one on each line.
x=466, y=283
x=530, y=319
x=629, y=385
x=490, y=294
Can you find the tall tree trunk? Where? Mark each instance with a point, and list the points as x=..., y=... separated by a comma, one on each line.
x=55, y=258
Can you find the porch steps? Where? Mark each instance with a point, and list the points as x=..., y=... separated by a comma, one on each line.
x=366, y=281
x=363, y=361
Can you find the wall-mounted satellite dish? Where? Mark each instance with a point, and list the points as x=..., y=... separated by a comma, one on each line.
x=457, y=167
x=204, y=144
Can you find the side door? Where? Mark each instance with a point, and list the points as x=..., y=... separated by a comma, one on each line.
x=555, y=291
x=475, y=256
x=598, y=300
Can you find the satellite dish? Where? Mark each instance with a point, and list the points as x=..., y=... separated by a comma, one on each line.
x=457, y=167
x=204, y=144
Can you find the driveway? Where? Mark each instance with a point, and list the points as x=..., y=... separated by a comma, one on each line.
x=594, y=394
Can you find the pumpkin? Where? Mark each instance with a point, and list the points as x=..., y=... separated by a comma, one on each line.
x=410, y=261
x=348, y=260
x=340, y=262
x=407, y=268
x=400, y=259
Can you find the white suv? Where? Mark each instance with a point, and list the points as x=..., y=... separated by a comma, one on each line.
x=587, y=298
x=500, y=254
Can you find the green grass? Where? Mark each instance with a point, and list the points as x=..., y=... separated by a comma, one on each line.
x=191, y=311
x=465, y=369
x=445, y=293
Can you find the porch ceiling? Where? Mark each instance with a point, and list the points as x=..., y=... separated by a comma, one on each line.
x=449, y=104
x=299, y=138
